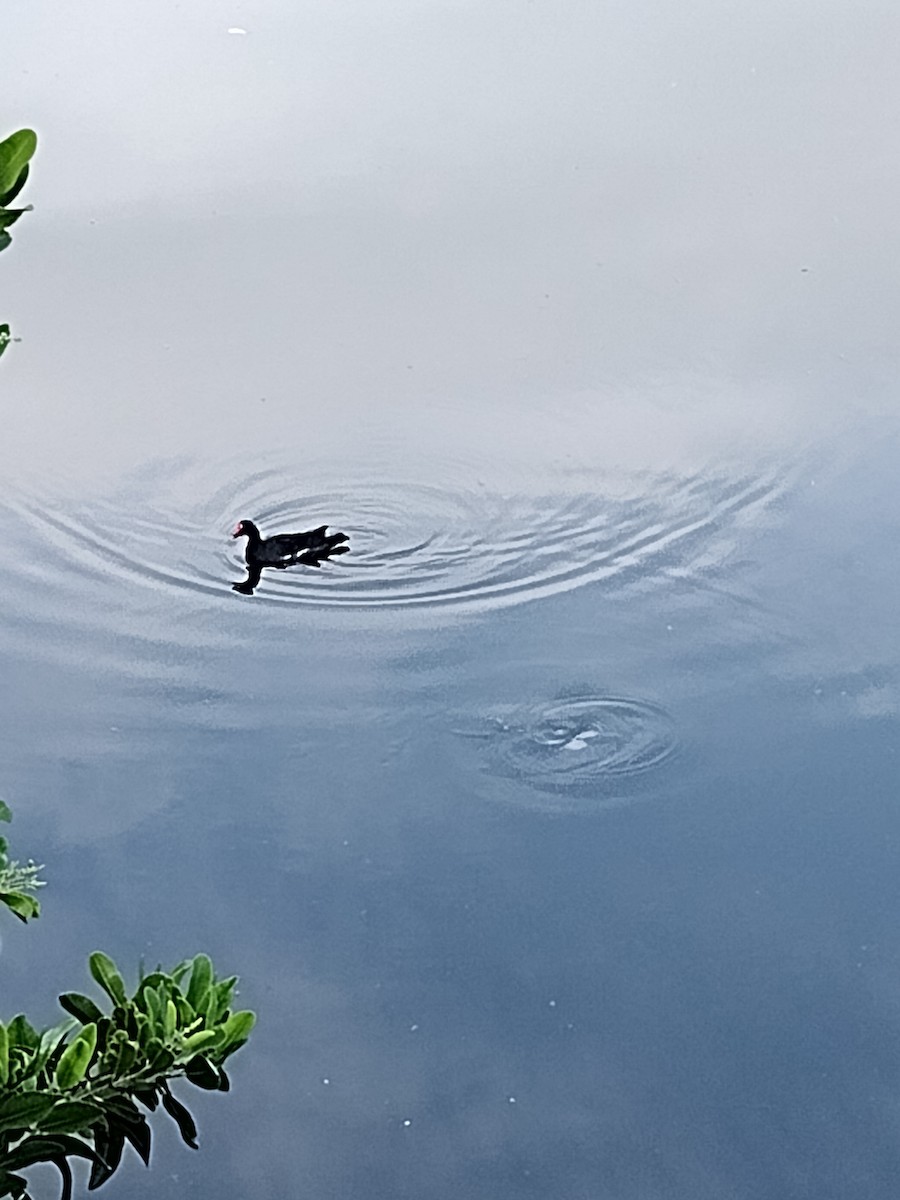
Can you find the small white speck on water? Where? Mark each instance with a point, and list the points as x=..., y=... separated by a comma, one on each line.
x=407, y=1123
x=552, y=1004
x=413, y=1028
x=236, y=30
x=326, y=1082
x=670, y=628
x=511, y=1099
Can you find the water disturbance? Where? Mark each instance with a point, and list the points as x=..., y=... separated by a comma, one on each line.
x=585, y=750
x=412, y=544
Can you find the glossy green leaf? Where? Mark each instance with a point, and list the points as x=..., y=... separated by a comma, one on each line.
x=148, y=999
x=202, y=1074
x=22, y=1033
x=108, y=1145
x=8, y=197
x=200, y=1040
x=13, y=1185
x=182, y=1119
x=138, y=1133
x=147, y=1097
x=224, y=991
x=76, y=1059
x=178, y=973
x=34, y=1150
x=24, y=907
x=236, y=1030
x=82, y=1007
x=25, y=1109
x=71, y=1116
x=200, y=983
x=51, y=1045
x=127, y=1054
x=123, y=1110
x=105, y=972
x=15, y=152
x=5, y=811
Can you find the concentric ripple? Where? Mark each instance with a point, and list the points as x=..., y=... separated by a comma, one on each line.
x=412, y=544
x=581, y=748
x=426, y=546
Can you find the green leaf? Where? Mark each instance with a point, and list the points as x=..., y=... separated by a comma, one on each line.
x=201, y=982
x=109, y=1145
x=4, y=1055
x=235, y=1031
x=123, y=1109
x=147, y=1097
x=73, y=1065
x=24, y=1110
x=182, y=1119
x=71, y=1116
x=9, y=196
x=15, y=152
x=178, y=973
x=81, y=1007
x=5, y=335
x=24, y=907
x=38, y=1149
x=105, y=972
x=202, y=1074
x=5, y=811
x=22, y=1033
x=129, y=1053
x=159, y=1057
x=51, y=1044
x=13, y=1185
x=138, y=1133
x=5, y=239
x=224, y=991
x=148, y=998
x=200, y=1040
x=171, y=1019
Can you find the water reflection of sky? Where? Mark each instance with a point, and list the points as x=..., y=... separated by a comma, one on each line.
x=553, y=830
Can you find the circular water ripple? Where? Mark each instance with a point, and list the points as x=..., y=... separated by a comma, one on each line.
x=581, y=748
x=427, y=546
x=412, y=544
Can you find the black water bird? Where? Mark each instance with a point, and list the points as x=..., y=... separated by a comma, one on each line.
x=309, y=548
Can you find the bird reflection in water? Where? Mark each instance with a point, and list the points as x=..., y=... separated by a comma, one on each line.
x=309, y=549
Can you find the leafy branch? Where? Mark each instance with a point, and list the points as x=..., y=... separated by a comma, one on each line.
x=16, y=153
x=74, y=1091
x=16, y=881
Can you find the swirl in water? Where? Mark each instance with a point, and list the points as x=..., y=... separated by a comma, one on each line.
x=587, y=749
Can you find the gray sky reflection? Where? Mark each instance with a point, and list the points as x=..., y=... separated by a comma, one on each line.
x=615, y=211
x=632, y=252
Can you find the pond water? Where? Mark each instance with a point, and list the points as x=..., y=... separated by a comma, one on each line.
x=554, y=830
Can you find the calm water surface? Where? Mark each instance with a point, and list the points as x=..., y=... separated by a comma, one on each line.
x=554, y=830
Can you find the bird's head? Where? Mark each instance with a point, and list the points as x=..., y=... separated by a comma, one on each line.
x=245, y=529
